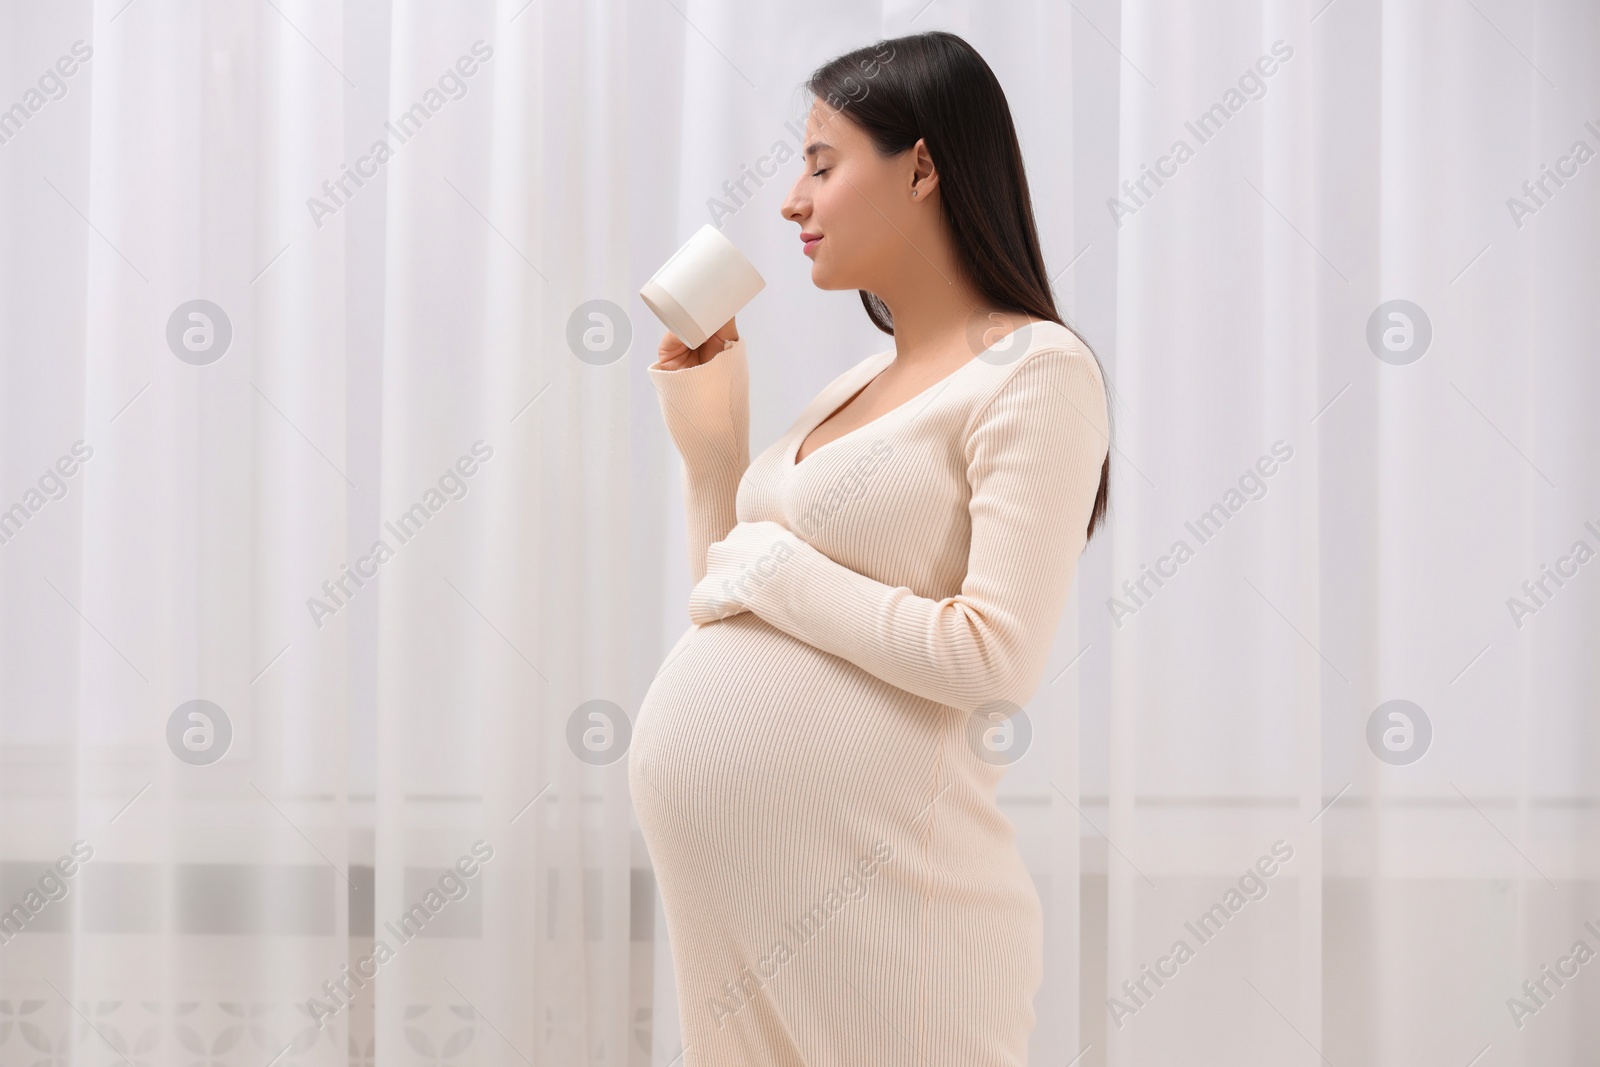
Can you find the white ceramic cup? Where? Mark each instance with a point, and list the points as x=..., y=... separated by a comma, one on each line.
x=702, y=286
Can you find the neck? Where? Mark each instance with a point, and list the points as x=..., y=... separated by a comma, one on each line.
x=933, y=304
x=929, y=333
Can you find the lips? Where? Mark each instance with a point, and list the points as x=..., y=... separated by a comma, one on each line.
x=809, y=242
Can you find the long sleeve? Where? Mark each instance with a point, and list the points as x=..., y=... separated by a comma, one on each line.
x=707, y=412
x=1033, y=455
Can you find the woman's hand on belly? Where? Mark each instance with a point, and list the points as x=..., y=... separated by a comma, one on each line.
x=752, y=553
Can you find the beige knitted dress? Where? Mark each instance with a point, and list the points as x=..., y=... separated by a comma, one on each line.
x=814, y=766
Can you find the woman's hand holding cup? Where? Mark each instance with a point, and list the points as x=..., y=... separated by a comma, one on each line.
x=673, y=354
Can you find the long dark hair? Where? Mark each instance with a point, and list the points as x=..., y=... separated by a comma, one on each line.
x=936, y=87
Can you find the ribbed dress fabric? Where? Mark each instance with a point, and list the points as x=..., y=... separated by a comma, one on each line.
x=810, y=773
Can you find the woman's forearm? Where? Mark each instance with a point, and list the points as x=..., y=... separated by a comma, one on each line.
x=707, y=411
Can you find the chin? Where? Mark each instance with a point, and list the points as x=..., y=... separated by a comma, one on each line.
x=823, y=278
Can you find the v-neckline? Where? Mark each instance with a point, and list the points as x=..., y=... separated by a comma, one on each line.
x=800, y=437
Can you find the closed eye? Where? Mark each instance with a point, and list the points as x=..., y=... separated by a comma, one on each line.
x=823, y=170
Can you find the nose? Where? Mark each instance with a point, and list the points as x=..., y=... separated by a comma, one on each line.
x=796, y=207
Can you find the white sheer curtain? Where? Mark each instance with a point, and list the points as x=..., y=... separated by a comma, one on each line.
x=191, y=495
x=1428, y=481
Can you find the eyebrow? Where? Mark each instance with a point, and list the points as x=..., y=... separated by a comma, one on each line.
x=816, y=146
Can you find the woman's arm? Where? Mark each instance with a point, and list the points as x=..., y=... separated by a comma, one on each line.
x=707, y=411
x=1033, y=452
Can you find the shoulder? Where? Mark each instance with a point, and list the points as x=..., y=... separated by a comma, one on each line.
x=1046, y=369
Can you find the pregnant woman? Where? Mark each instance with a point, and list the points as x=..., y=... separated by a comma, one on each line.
x=814, y=766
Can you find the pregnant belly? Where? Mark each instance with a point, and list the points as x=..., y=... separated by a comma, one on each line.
x=748, y=733
x=765, y=772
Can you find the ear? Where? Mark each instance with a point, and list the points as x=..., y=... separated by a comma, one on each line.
x=924, y=176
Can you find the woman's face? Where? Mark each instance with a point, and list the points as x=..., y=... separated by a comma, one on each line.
x=855, y=203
